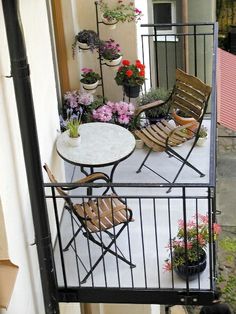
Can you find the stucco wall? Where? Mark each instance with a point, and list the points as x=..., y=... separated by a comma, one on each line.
x=27, y=295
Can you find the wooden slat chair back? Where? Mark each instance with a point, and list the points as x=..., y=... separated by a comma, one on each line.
x=190, y=95
x=96, y=215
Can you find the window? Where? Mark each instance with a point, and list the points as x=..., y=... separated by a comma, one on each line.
x=164, y=12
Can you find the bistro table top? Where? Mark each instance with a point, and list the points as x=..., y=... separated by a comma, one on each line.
x=102, y=144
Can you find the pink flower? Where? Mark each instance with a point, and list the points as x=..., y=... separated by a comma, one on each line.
x=123, y=119
x=86, y=70
x=167, y=266
x=216, y=228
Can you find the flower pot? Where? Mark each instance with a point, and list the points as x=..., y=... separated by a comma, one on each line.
x=90, y=87
x=113, y=63
x=191, y=271
x=201, y=141
x=131, y=91
x=111, y=23
x=74, y=141
x=182, y=121
x=83, y=46
x=139, y=144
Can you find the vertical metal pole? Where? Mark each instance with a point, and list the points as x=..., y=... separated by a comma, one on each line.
x=24, y=101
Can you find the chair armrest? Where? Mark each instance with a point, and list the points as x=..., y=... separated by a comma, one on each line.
x=90, y=178
x=151, y=105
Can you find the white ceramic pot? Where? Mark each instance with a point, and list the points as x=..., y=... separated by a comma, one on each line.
x=112, y=24
x=90, y=87
x=74, y=141
x=201, y=141
x=113, y=63
x=83, y=46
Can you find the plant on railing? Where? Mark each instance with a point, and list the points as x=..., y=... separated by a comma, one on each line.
x=119, y=12
x=187, y=249
x=120, y=113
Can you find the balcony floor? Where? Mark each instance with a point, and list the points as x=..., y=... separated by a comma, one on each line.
x=148, y=257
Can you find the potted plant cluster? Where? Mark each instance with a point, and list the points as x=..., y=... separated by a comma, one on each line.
x=155, y=114
x=119, y=12
x=188, y=248
x=202, y=136
x=90, y=79
x=85, y=40
x=110, y=53
x=120, y=113
x=131, y=77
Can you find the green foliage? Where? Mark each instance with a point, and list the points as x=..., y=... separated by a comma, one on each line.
x=73, y=127
x=151, y=96
x=227, y=277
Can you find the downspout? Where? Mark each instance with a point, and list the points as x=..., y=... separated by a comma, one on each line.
x=186, y=41
x=25, y=108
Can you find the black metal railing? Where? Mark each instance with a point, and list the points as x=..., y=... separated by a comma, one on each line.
x=144, y=241
x=188, y=47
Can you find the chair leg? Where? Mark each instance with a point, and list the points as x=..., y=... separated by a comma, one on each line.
x=146, y=157
x=106, y=250
x=72, y=239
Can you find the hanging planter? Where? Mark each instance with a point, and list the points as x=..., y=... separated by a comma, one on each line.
x=83, y=46
x=110, y=22
x=131, y=91
x=113, y=63
x=90, y=87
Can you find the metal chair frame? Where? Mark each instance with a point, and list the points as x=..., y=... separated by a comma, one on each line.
x=189, y=95
x=82, y=222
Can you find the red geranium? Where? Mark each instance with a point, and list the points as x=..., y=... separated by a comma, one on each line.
x=130, y=74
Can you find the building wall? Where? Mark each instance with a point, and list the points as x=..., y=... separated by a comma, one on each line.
x=27, y=294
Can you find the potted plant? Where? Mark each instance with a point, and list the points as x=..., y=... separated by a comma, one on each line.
x=159, y=112
x=90, y=79
x=202, y=136
x=86, y=39
x=181, y=118
x=188, y=248
x=71, y=126
x=119, y=12
x=109, y=52
x=131, y=77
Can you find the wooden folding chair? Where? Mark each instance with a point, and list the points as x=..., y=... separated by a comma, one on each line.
x=95, y=216
x=190, y=95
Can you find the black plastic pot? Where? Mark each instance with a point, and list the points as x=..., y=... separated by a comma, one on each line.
x=191, y=271
x=132, y=91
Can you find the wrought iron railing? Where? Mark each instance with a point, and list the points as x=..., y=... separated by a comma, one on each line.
x=143, y=241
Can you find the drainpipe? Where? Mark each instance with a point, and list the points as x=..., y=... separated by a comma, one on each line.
x=25, y=108
x=186, y=41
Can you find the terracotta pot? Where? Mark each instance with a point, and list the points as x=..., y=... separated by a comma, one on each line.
x=182, y=121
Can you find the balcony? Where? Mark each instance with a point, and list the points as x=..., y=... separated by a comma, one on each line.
x=156, y=213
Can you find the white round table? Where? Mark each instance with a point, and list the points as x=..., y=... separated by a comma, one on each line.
x=102, y=144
